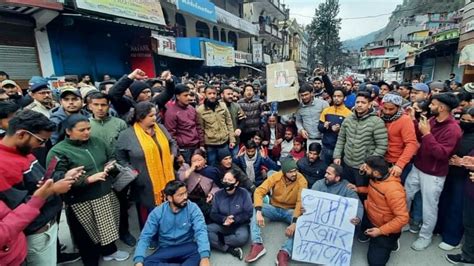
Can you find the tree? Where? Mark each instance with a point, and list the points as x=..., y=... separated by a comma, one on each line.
x=325, y=46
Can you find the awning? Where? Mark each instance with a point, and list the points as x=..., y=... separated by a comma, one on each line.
x=249, y=66
x=179, y=55
x=467, y=56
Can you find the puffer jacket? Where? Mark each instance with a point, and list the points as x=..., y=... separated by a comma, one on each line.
x=253, y=110
x=361, y=137
x=386, y=205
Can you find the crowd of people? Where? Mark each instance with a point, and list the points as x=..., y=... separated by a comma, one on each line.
x=206, y=162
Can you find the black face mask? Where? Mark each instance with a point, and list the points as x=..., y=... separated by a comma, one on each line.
x=229, y=186
x=467, y=126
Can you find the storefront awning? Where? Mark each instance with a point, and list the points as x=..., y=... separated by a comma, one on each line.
x=179, y=55
x=249, y=66
x=467, y=56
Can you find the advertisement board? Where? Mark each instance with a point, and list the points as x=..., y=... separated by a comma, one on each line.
x=219, y=55
x=147, y=11
x=200, y=8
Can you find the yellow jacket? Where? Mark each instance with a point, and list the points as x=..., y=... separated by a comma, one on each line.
x=283, y=195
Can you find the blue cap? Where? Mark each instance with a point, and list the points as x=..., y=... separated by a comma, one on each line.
x=37, y=79
x=421, y=87
x=38, y=86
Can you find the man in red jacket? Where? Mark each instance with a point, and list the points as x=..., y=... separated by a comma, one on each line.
x=438, y=139
x=13, y=222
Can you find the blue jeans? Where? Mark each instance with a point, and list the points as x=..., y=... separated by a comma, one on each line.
x=274, y=214
x=184, y=254
x=212, y=153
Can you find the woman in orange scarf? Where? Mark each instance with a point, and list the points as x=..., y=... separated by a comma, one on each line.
x=148, y=148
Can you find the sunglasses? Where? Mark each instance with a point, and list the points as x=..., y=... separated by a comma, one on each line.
x=41, y=140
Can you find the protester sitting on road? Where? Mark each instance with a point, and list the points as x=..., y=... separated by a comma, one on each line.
x=252, y=161
x=231, y=212
x=149, y=149
x=299, y=149
x=92, y=207
x=224, y=157
x=386, y=211
x=311, y=166
x=334, y=184
x=285, y=205
x=181, y=230
x=200, y=181
x=273, y=133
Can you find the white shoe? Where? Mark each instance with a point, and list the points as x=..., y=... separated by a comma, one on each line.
x=448, y=247
x=118, y=256
x=421, y=244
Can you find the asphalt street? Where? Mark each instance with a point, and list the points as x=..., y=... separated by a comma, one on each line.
x=273, y=235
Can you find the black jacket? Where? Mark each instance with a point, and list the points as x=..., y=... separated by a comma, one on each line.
x=122, y=104
x=311, y=171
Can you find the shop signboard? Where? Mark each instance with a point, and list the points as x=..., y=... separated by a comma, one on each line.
x=243, y=58
x=147, y=11
x=257, y=53
x=199, y=8
x=141, y=56
x=219, y=55
x=227, y=18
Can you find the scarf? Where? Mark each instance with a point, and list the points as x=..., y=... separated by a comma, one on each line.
x=394, y=117
x=249, y=170
x=157, y=158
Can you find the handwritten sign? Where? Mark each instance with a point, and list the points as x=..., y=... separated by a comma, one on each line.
x=324, y=232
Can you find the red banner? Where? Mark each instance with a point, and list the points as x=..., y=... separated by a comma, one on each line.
x=141, y=56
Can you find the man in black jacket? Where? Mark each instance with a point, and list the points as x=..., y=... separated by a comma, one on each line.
x=140, y=92
x=311, y=166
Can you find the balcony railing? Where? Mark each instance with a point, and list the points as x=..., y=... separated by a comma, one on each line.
x=268, y=29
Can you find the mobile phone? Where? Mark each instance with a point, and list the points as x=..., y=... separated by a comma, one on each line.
x=51, y=167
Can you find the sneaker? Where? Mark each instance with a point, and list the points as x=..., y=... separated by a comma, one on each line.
x=397, y=246
x=363, y=238
x=415, y=227
x=128, y=239
x=447, y=247
x=236, y=252
x=118, y=256
x=406, y=228
x=256, y=251
x=66, y=258
x=282, y=258
x=457, y=258
x=421, y=244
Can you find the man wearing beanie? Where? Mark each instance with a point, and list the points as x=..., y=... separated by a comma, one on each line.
x=140, y=91
x=285, y=205
x=182, y=124
x=402, y=143
x=226, y=164
x=438, y=139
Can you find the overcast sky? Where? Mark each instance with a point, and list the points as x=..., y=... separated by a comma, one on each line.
x=303, y=11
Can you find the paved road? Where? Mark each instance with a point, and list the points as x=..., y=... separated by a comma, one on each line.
x=273, y=235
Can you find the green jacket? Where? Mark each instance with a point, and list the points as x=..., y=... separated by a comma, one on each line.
x=234, y=110
x=108, y=129
x=360, y=138
x=217, y=125
x=93, y=155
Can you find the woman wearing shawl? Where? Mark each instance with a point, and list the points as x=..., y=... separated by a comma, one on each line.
x=201, y=181
x=147, y=148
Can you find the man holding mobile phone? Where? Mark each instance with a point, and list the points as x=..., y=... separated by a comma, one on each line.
x=438, y=138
